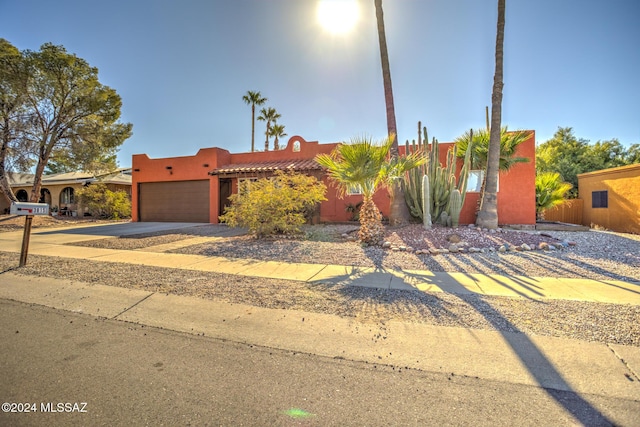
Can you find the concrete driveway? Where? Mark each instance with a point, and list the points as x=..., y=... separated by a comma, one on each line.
x=64, y=235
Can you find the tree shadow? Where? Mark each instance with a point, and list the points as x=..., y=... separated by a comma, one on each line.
x=532, y=358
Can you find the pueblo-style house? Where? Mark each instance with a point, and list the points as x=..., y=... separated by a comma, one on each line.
x=197, y=188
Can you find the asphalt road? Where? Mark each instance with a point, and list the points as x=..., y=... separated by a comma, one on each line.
x=129, y=374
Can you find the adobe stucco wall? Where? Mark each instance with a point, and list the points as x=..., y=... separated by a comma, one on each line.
x=516, y=195
x=623, y=187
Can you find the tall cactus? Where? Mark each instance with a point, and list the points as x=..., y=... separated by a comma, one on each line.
x=426, y=202
x=441, y=180
x=455, y=207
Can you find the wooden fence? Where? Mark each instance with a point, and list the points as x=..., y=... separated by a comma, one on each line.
x=570, y=212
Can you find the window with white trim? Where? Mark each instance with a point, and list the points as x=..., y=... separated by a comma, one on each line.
x=474, y=182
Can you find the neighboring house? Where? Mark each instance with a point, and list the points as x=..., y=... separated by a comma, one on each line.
x=59, y=190
x=197, y=188
x=611, y=198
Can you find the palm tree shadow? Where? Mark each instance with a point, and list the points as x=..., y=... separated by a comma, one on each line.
x=532, y=358
x=542, y=370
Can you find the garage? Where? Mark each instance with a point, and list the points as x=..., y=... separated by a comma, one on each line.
x=176, y=201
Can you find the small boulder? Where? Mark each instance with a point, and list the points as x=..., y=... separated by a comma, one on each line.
x=434, y=251
x=386, y=245
x=525, y=247
x=454, y=238
x=453, y=248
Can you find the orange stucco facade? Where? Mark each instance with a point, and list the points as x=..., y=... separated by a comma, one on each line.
x=516, y=196
x=622, y=188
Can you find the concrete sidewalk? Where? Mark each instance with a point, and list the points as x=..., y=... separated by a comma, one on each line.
x=553, y=363
x=56, y=243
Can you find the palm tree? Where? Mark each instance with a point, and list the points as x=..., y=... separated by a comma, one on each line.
x=277, y=131
x=509, y=142
x=365, y=164
x=488, y=215
x=399, y=211
x=253, y=98
x=268, y=115
x=550, y=192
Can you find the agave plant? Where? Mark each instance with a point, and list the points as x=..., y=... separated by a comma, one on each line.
x=365, y=163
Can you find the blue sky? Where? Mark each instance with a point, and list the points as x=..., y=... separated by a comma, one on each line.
x=182, y=67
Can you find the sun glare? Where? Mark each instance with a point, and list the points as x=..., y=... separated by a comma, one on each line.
x=338, y=16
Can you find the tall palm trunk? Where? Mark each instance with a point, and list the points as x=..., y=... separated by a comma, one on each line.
x=253, y=127
x=266, y=135
x=488, y=215
x=398, y=211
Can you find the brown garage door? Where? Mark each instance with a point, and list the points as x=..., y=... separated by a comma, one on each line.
x=178, y=201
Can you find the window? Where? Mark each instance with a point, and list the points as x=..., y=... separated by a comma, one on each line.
x=354, y=190
x=600, y=199
x=66, y=196
x=474, y=183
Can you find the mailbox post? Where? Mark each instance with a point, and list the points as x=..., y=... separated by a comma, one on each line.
x=28, y=210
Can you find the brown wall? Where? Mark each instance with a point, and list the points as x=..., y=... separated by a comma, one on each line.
x=623, y=187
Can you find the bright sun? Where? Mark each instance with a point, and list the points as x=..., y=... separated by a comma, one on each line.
x=338, y=16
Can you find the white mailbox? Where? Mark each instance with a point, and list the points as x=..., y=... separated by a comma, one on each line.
x=22, y=208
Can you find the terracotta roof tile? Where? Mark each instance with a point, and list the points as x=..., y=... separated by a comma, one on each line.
x=296, y=165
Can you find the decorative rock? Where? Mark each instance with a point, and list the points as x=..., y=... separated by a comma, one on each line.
x=502, y=249
x=543, y=246
x=454, y=238
x=443, y=251
x=453, y=248
x=409, y=249
x=402, y=248
x=552, y=247
x=570, y=243
x=434, y=251
x=474, y=250
x=395, y=249
x=525, y=247
x=386, y=245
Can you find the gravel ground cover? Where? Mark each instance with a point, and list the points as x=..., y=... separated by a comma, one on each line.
x=596, y=255
x=599, y=322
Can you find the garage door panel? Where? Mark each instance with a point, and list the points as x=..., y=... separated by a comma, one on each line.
x=177, y=201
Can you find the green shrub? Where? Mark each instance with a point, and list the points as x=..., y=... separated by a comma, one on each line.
x=104, y=203
x=279, y=205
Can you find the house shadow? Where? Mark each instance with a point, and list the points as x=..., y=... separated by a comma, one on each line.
x=392, y=287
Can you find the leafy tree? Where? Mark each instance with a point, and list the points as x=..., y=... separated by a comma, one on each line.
x=399, y=211
x=277, y=131
x=488, y=215
x=366, y=164
x=275, y=206
x=104, y=203
x=66, y=114
x=253, y=98
x=13, y=78
x=632, y=155
x=569, y=156
x=550, y=192
x=269, y=115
